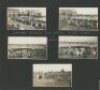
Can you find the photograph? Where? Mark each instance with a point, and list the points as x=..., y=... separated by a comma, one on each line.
x=78, y=18
x=78, y=47
x=26, y=18
x=27, y=47
x=52, y=75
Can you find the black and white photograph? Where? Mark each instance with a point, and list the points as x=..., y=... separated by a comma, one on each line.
x=27, y=47
x=78, y=47
x=26, y=18
x=78, y=18
x=49, y=45
x=52, y=75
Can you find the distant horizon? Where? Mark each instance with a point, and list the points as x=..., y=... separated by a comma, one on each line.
x=83, y=10
x=42, y=10
x=51, y=71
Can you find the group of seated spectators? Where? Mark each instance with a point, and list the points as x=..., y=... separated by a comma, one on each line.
x=78, y=52
x=35, y=22
x=27, y=53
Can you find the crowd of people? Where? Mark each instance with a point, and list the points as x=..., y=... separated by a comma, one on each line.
x=20, y=21
x=78, y=52
x=80, y=22
x=22, y=53
x=57, y=75
x=87, y=23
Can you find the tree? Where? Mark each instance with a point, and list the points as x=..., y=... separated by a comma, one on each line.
x=68, y=12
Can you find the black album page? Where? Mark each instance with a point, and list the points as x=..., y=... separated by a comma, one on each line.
x=49, y=45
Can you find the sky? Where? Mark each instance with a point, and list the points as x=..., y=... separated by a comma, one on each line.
x=51, y=67
x=26, y=40
x=85, y=10
x=40, y=9
x=78, y=39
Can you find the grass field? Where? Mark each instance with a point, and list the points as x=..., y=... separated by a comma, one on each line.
x=50, y=83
